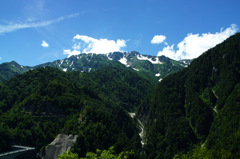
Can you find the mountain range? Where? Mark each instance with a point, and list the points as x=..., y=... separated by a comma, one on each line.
x=152, y=68
x=154, y=106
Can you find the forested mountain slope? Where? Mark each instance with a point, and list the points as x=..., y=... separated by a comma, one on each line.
x=198, y=105
x=10, y=70
x=122, y=85
x=41, y=103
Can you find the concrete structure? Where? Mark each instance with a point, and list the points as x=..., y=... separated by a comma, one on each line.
x=60, y=144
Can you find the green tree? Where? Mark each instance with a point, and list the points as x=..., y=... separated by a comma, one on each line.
x=201, y=152
x=68, y=155
x=100, y=154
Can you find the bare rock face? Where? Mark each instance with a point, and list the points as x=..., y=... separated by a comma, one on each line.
x=60, y=144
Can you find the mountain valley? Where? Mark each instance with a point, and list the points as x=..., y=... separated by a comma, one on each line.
x=185, y=107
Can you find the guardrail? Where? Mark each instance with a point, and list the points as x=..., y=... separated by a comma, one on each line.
x=15, y=153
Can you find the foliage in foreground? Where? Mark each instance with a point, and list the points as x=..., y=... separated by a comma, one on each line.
x=199, y=152
x=100, y=154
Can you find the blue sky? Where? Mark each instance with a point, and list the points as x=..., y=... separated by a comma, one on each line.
x=38, y=31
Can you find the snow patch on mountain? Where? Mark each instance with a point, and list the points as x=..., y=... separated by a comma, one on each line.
x=123, y=61
x=60, y=63
x=132, y=115
x=71, y=64
x=135, y=69
x=141, y=57
x=157, y=75
x=65, y=70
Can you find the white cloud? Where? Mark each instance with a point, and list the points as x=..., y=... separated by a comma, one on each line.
x=0, y=58
x=167, y=51
x=158, y=39
x=44, y=44
x=12, y=26
x=165, y=43
x=71, y=53
x=86, y=44
x=194, y=45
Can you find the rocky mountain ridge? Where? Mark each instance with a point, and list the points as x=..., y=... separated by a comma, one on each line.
x=152, y=68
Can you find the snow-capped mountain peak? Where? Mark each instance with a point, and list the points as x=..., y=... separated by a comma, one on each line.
x=147, y=66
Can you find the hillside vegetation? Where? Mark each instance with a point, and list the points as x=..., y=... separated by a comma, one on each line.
x=193, y=113
x=198, y=105
x=41, y=103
